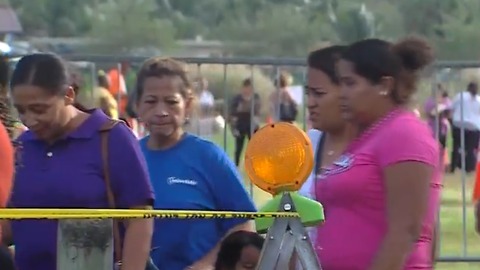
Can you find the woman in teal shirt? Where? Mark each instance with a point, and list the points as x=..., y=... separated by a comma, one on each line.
x=187, y=172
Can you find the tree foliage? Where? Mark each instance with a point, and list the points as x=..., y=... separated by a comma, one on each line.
x=127, y=25
x=260, y=27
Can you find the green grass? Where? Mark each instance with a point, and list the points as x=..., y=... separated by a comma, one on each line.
x=451, y=243
x=451, y=222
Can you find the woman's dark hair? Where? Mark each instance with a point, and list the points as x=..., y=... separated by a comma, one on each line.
x=6, y=116
x=163, y=67
x=325, y=60
x=374, y=59
x=232, y=246
x=76, y=85
x=44, y=70
x=247, y=82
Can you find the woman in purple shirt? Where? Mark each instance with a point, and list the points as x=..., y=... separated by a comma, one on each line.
x=61, y=165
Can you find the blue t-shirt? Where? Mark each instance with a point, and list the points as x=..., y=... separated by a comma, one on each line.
x=195, y=174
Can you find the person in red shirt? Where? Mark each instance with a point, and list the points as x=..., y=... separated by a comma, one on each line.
x=118, y=87
x=6, y=179
x=6, y=165
x=7, y=133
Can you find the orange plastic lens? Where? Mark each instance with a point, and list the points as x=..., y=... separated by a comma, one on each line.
x=279, y=157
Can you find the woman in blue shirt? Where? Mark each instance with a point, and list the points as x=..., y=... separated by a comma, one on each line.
x=187, y=172
x=61, y=165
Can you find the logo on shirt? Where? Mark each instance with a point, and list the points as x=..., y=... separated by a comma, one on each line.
x=172, y=180
x=343, y=164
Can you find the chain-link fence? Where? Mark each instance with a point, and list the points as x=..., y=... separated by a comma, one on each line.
x=456, y=241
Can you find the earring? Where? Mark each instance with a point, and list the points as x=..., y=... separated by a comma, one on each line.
x=383, y=93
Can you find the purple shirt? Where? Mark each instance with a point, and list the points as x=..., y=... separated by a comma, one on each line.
x=69, y=174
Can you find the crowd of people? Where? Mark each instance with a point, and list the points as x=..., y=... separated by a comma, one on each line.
x=377, y=170
x=456, y=120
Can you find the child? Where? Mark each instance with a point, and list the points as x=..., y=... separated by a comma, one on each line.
x=239, y=250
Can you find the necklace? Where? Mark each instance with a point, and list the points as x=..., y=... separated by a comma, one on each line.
x=374, y=127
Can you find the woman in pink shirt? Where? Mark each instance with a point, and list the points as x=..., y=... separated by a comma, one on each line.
x=382, y=195
x=331, y=133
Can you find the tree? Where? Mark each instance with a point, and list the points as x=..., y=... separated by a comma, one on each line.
x=124, y=25
x=281, y=30
x=51, y=17
x=461, y=33
x=354, y=22
x=260, y=27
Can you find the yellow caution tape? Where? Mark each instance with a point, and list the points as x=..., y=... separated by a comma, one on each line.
x=40, y=213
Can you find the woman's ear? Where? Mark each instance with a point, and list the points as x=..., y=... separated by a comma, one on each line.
x=386, y=85
x=70, y=96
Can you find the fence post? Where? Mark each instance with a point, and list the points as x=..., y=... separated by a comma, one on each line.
x=85, y=244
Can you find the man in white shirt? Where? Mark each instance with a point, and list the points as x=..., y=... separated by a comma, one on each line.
x=205, y=97
x=204, y=122
x=466, y=116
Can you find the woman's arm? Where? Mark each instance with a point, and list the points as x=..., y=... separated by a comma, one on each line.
x=407, y=185
x=410, y=173
x=136, y=245
x=132, y=189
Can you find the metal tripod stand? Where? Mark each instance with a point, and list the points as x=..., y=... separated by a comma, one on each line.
x=287, y=236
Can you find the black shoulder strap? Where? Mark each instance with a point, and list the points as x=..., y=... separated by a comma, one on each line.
x=318, y=154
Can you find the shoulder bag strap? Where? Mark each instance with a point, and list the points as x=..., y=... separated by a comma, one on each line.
x=104, y=132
